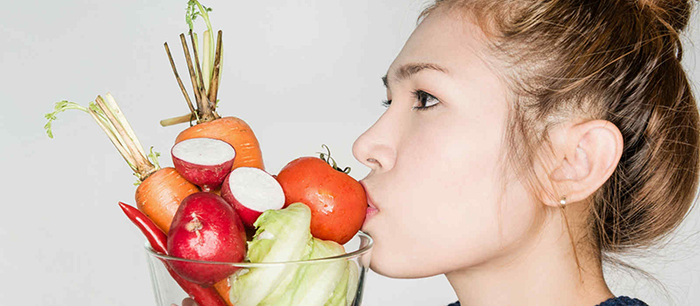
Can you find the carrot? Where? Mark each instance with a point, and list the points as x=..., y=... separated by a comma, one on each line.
x=233, y=131
x=161, y=190
x=159, y=196
x=223, y=287
x=205, y=84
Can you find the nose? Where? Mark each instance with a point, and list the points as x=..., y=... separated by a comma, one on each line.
x=376, y=147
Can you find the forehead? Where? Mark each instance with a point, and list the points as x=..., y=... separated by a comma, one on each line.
x=445, y=38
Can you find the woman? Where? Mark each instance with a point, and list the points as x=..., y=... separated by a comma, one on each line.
x=525, y=140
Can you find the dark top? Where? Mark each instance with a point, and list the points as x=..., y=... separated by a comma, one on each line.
x=618, y=301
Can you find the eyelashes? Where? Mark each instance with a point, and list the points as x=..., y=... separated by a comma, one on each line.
x=424, y=99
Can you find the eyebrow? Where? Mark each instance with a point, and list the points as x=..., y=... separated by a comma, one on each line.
x=408, y=70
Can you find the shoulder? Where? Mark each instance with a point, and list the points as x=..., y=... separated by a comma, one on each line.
x=623, y=301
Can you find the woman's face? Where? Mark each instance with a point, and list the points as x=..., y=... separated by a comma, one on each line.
x=440, y=201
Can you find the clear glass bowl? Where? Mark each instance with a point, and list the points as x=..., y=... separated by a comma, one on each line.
x=355, y=261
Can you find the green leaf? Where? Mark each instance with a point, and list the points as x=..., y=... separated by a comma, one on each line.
x=281, y=235
x=353, y=281
x=191, y=14
x=317, y=282
x=194, y=10
x=314, y=284
x=59, y=108
x=339, y=295
x=153, y=157
x=138, y=179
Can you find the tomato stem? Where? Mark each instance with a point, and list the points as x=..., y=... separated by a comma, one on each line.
x=330, y=161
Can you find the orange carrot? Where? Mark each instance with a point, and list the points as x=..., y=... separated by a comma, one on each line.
x=160, y=195
x=223, y=287
x=232, y=130
x=161, y=190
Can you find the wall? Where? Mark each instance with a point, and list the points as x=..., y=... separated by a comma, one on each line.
x=301, y=73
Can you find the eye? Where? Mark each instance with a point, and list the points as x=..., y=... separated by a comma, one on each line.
x=425, y=100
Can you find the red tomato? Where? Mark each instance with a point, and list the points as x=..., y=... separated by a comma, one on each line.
x=338, y=202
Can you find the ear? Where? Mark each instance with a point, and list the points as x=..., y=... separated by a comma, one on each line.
x=586, y=154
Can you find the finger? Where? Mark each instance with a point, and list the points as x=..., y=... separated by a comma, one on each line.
x=188, y=302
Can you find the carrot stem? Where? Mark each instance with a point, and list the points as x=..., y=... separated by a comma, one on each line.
x=205, y=109
x=190, y=68
x=134, y=150
x=117, y=111
x=206, y=59
x=118, y=130
x=116, y=126
x=108, y=126
x=179, y=81
x=204, y=12
x=115, y=141
x=214, y=85
x=195, y=47
x=196, y=62
x=177, y=120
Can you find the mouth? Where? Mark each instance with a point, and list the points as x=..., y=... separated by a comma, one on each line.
x=371, y=208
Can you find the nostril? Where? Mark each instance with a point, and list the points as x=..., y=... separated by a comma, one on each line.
x=373, y=161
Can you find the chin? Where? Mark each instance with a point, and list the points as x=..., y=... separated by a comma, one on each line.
x=394, y=264
x=391, y=272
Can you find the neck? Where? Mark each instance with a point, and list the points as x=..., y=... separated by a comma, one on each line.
x=542, y=271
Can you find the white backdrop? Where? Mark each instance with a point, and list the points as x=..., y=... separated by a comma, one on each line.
x=301, y=73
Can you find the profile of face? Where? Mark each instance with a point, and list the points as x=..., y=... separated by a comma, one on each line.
x=441, y=198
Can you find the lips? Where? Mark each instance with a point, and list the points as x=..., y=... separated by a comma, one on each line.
x=371, y=209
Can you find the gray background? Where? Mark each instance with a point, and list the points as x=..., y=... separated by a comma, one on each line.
x=301, y=73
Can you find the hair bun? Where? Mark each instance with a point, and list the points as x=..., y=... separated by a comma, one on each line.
x=671, y=13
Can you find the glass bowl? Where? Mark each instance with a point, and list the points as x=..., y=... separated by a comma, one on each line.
x=331, y=288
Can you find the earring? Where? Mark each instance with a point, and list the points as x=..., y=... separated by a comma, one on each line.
x=562, y=202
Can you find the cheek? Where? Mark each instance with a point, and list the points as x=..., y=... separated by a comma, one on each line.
x=440, y=202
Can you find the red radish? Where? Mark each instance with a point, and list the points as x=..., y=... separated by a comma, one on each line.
x=203, y=161
x=252, y=191
x=206, y=228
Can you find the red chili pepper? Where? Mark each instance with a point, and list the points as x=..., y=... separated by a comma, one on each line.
x=158, y=240
x=155, y=235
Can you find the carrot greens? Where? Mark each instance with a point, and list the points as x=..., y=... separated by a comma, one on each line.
x=194, y=10
x=112, y=121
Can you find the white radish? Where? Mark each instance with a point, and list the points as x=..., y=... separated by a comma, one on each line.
x=203, y=161
x=252, y=191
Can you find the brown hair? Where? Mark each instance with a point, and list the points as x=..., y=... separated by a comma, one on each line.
x=616, y=60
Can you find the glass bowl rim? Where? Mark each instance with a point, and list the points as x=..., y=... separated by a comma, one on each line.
x=354, y=254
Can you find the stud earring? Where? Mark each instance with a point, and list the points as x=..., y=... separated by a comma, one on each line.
x=562, y=202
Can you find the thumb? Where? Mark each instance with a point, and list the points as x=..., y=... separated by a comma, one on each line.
x=189, y=302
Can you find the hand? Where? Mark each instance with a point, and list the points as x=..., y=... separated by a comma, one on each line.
x=187, y=302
